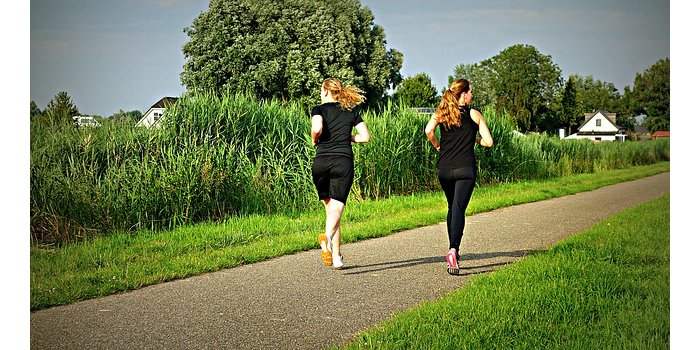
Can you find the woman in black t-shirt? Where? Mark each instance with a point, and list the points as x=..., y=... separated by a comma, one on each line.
x=459, y=125
x=333, y=169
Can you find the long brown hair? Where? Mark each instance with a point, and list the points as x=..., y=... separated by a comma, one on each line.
x=348, y=96
x=447, y=111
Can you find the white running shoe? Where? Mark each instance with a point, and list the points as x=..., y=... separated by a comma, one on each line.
x=338, y=262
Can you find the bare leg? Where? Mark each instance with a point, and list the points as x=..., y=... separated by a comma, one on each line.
x=334, y=210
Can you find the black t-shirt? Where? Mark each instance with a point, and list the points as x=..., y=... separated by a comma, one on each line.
x=336, y=135
x=457, y=143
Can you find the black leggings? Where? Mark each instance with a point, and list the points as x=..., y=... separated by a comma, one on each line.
x=458, y=185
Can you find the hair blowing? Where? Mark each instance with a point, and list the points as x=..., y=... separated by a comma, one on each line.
x=447, y=111
x=348, y=96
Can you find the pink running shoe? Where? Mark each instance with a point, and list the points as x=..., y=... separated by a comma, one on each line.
x=452, y=264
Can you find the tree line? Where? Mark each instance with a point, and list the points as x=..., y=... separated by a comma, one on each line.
x=528, y=86
x=284, y=50
x=62, y=109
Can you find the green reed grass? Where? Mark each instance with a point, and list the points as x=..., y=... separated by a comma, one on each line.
x=220, y=156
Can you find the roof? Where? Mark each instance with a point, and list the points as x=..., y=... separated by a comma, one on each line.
x=605, y=114
x=164, y=102
x=661, y=133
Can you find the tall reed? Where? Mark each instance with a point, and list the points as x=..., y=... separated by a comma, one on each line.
x=218, y=156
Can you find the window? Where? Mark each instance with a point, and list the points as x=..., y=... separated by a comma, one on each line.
x=597, y=122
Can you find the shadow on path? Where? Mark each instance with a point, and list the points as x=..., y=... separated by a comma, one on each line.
x=389, y=265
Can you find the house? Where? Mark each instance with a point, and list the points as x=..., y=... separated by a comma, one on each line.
x=661, y=134
x=85, y=120
x=154, y=114
x=599, y=126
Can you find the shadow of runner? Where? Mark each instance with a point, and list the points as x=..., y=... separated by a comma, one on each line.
x=437, y=259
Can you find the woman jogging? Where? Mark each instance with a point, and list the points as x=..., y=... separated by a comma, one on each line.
x=331, y=132
x=459, y=125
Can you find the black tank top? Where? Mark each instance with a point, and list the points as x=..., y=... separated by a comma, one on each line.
x=457, y=143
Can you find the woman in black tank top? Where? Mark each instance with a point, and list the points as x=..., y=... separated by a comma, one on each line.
x=459, y=125
x=331, y=132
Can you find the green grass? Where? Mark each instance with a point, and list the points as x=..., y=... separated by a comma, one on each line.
x=123, y=261
x=607, y=287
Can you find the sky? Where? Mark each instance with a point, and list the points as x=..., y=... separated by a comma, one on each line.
x=127, y=54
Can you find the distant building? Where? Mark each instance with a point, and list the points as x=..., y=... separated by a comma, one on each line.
x=155, y=113
x=661, y=134
x=599, y=126
x=640, y=132
x=424, y=110
x=85, y=120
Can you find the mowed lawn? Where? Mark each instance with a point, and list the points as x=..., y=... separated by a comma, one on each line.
x=123, y=261
x=606, y=288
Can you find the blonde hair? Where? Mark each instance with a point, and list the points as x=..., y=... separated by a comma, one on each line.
x=348, y=96
x=447, y=112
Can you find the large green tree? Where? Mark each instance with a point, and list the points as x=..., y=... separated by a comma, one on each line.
x=482, y=78
x=527, y=83
x=519, y=80
x=652, y=95
x=417, y=91
x=286, y=48
x=592, y=95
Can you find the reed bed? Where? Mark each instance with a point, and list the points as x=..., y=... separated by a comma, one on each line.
x=215, y=157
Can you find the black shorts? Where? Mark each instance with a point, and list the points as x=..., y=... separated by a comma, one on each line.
x=333, y=177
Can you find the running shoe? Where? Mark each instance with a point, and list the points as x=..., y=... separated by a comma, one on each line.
x=338, y=262
x=326, y=256
x=452, y=264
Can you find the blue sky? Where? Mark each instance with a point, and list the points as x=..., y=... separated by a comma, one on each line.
x=127, y=54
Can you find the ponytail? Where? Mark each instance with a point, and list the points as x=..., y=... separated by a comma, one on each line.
x=447, y=112
x=348, y=96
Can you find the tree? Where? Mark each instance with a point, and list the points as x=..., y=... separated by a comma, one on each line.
x=627, y=109
x=481, y=77
x=656, y=123
x=593, y=95
x=569, y=116
x=417, y=91
x=34, y=109
x=526, y=83
x=519, y=80
x=652, y=94
x=61, y=108
x=286, y=48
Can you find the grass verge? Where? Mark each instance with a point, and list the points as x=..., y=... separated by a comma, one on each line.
x=607, y=287
x=124, y=261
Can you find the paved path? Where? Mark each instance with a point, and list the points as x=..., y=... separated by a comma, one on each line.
x=293, y=302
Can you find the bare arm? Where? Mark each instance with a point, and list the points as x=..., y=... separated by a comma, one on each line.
x=316, y=128
x=486, y=139
x=430, y=132
x=362, y=133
